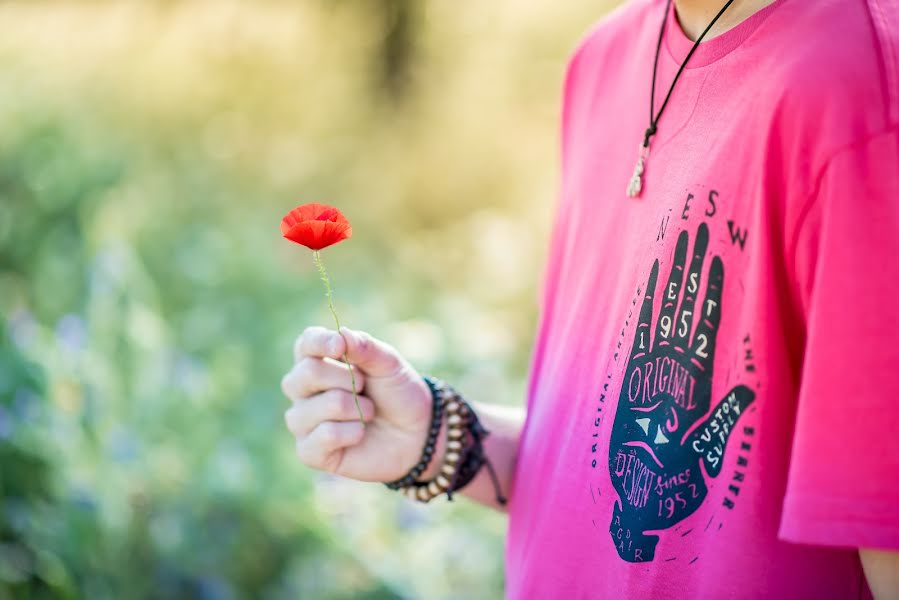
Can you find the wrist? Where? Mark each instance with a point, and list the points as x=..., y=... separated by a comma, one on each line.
x=456, y=439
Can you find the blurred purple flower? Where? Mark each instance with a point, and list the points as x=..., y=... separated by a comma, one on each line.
x=71, y=333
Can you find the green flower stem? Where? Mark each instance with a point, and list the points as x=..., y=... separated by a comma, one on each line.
x=316, y=256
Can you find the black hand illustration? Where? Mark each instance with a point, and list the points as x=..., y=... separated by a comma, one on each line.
x=663, y=429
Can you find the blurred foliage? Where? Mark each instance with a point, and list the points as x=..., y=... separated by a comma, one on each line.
x=147, y=153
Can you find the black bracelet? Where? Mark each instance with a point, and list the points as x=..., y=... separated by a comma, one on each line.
x=464, y=454
x=430, y=443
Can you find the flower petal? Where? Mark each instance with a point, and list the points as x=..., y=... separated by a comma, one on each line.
x=316, y=235
x=316, y=226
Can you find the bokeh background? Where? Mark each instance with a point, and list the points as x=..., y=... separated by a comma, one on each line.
x=147, y=153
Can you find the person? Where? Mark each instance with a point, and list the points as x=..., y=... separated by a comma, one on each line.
x=712, y=404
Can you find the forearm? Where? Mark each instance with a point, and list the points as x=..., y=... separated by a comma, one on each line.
x=501, y=446
x=882, y=571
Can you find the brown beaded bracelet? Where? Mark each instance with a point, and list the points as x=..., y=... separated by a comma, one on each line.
x=464, y=450
x=424, y=491
x=475, y=458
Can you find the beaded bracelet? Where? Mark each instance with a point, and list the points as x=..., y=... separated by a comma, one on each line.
x=475, y=458
x=456, y=411
x=431, y=441
x=464, y=450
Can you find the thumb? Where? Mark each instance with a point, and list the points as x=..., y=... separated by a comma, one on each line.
x=374, y=357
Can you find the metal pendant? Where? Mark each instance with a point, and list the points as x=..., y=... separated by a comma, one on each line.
x=635, y=186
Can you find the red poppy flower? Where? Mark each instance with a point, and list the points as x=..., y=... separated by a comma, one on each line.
x=316, y=226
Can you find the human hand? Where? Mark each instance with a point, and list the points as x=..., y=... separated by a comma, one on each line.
x=395, y=402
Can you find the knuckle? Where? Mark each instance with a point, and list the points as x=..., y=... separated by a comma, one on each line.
x=346, y=405
x=313, y=333
x=300, y=369
x=328, y=434
x=286, y=384
x=331, y=462
x=293, y=419
x=394, y=358
x=366, y=406
x=299, y=343
x=360, y=378
x=306, y=370
x=310, y=336
x=365, y=342
x=305, y=454
x=338, y=404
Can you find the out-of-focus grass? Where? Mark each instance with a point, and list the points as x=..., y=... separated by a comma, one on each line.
x=147, y=153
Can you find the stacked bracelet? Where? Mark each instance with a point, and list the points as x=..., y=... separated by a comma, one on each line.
x=430, y=442
x=464, y=449
x=475, y=458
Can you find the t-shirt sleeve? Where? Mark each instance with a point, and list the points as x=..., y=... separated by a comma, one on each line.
x=843, y=485
x=569, y=100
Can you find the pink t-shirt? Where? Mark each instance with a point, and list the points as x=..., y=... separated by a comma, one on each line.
x=713, y=409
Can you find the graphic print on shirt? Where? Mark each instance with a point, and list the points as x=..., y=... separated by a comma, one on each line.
x=665, y=442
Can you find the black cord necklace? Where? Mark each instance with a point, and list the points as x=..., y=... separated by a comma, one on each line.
x=636, y=183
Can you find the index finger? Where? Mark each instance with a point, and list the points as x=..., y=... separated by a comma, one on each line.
x=318, y=342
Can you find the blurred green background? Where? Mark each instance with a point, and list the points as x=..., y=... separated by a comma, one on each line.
x=147, y=153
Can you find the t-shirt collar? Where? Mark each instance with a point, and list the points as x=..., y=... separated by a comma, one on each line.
x=678, y=45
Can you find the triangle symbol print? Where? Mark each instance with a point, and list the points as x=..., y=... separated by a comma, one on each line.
x=644, y=425
x=660, y=437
